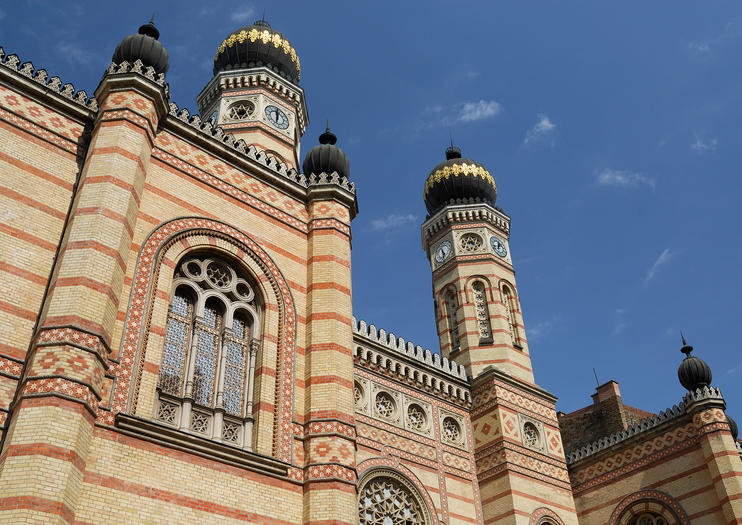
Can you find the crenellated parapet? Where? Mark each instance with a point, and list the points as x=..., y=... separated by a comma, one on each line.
x=50, y=85
x=409, y=363
x=465, y=211
x=641, y=427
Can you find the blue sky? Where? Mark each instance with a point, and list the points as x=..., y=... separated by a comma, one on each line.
x=612, y=131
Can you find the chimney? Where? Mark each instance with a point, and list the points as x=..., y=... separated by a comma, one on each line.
x=607, y=403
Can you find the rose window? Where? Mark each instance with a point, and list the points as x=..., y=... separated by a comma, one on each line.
x=385, y=501
x=218, y=274
x=384, y=405
x=416, y=419
x=531, y=436
x=451, y=430
x=650, y=519
x=240, y=110
x=470, y=242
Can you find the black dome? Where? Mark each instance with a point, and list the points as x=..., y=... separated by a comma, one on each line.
x=458, y=179
x=732, y=427
x=327, y=157
x=143, y=46
x=258, y=45
x=693, y=372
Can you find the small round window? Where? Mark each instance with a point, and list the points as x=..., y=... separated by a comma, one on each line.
x=416, y=419
x=451, y=430
x=385, y=406
x=241, y=110
x=531, y=436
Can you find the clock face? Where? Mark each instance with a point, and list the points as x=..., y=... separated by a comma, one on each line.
x=498, y=246
x=276, y=117
x=443, y=251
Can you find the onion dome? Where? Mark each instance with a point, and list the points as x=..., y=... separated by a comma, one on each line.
x=458, y=180
x=732, y=427
x=143, y=46
x=327, y=157
x=255, y=46
x=693, y=372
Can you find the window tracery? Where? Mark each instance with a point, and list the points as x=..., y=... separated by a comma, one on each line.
x=241, y=110
x=453, y=327
x=480, y=305
x=208, y=362
x=387, y=501
x=509, y=305
x=385, y=405
x=416, y=418
x=451, y=431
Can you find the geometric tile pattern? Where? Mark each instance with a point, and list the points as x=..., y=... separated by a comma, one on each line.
x=391, y=439
x=629, y=458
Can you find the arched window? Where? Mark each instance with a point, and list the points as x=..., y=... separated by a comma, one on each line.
x=453, y=327
x=649, y=518
x=390, y=500
x=483, y=313
x=508, y=302
x=208, y=361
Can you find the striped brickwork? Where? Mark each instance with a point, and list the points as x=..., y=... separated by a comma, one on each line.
x=329, y=441
x=477, y=354
x=687, y=469
x=518, y=478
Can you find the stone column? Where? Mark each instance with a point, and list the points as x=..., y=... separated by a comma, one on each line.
x=41, y=471
x=329, y=473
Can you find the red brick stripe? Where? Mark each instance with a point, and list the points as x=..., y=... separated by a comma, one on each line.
x=33, y=503
x=98, y=247
x=49, y=451
x=32, y=203
x=91, y=284
x=108, y=213
x=321, y=316
x=20, y=234
x=119, y=151
x=329, y=258
x=32, y=170
x=24, y=274
x=320, y=380
x=174, y=498
x=17, y=311
x=109, y=179
x=329, y=286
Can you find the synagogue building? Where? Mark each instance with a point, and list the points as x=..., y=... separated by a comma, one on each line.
x=178, y=345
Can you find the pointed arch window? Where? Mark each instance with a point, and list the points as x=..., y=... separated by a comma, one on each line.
x=211, y=341
x=453, y=328
x=508, y=301
x=479, y=292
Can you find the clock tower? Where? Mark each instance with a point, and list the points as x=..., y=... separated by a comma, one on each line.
x=466, y=238
x=480, y=325
x=255, y=93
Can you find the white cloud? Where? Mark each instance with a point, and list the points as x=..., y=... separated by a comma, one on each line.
x=392, y=222
x=623, y=179
x=704, y=145
x=539, y=330
x=699, y=48
x=664, y=258
x=484, y=109
x=543, y=129
x=76, y=53
x=620, y=322
x=243, y=15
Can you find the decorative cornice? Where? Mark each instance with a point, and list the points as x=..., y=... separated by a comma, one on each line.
x=640, y=427
x=138, y=67
x=703, y=397
x=385, y=351
x=206, y=448
x=49, y=85
x=465, y=212
x=253, y=77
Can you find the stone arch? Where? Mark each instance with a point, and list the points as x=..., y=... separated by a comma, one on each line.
x=653, y=501
x=544, y=516
x=149, y=297
x=392, y=467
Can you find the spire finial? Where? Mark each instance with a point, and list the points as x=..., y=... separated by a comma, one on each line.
x=327, y=127
x=152, y=20
x=686, y=349
x=328, y=137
